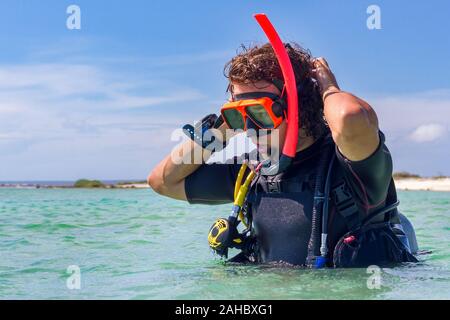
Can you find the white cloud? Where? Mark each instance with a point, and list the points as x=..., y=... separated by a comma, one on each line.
x=68, y=113
x=428, y=132
x=402, y=113
x=9, y=136
x=415, y=126
x=32, y=84
x=52, y=113
x=42, y=99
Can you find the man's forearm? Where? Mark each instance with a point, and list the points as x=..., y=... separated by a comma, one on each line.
x=167, y=178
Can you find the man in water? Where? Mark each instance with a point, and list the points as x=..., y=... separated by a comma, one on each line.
x=282, y=216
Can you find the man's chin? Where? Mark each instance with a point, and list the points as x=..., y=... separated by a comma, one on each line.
x=268, y=155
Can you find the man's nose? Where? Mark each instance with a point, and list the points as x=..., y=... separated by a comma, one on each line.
x=253, y=131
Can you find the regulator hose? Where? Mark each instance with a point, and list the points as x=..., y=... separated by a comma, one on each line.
x=314, y=259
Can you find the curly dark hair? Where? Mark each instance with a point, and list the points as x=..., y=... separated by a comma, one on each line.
x=259, y=63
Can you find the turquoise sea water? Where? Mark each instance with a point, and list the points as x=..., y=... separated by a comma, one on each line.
x=133, y=244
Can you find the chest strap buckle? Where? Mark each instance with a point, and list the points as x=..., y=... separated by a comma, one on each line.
x=273, y=186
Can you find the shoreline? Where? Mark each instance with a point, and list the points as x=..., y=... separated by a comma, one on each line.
x=423, y=184
x=404, y=184
x=44, y=186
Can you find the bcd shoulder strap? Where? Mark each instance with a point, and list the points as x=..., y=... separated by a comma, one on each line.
x=345, y=204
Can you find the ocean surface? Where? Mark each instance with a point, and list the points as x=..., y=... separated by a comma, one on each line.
x=133, y=244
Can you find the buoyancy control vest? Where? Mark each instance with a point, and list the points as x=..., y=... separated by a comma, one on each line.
x=283, y=212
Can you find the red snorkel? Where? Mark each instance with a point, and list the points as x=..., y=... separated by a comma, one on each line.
x=290, y=145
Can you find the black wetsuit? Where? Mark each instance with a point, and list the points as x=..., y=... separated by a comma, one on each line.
x=282, y=219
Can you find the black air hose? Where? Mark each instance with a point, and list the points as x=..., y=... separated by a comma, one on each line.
x=316, y=220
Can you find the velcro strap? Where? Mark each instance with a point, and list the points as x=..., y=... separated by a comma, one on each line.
x=345, y=205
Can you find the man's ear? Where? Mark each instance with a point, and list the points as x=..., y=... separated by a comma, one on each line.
x=230, y=90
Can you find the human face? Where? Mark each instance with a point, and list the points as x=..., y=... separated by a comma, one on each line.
x=274, y=142
x=269, y=143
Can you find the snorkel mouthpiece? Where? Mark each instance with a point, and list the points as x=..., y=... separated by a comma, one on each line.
x=290, y=145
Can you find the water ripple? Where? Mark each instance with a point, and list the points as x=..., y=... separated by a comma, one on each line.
x=133, y=244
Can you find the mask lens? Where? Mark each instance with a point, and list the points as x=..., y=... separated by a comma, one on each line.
x=254, y=130
x=234, y=118
x=259, y=114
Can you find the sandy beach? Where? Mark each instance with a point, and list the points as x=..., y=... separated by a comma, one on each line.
x=133, y=186
x=428, y=184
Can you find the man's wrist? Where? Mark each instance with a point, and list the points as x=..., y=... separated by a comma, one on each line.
x=330, y=91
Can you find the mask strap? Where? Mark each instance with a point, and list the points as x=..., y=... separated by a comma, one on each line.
x=279, y=84
x=256, y=95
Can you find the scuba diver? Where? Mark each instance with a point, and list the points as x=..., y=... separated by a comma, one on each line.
x=327, y=200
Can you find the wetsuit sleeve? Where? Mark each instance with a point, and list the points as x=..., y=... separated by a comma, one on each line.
x=211, y=184
x=369, y=178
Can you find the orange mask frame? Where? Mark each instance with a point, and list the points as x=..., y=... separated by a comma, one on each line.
x=248, y=108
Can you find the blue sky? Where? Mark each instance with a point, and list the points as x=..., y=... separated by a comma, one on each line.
x=102, y=102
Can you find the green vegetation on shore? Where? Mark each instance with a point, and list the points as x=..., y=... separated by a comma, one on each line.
x=124, y=183
x=85, y=183
x=405, y=175
x=440, y=176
